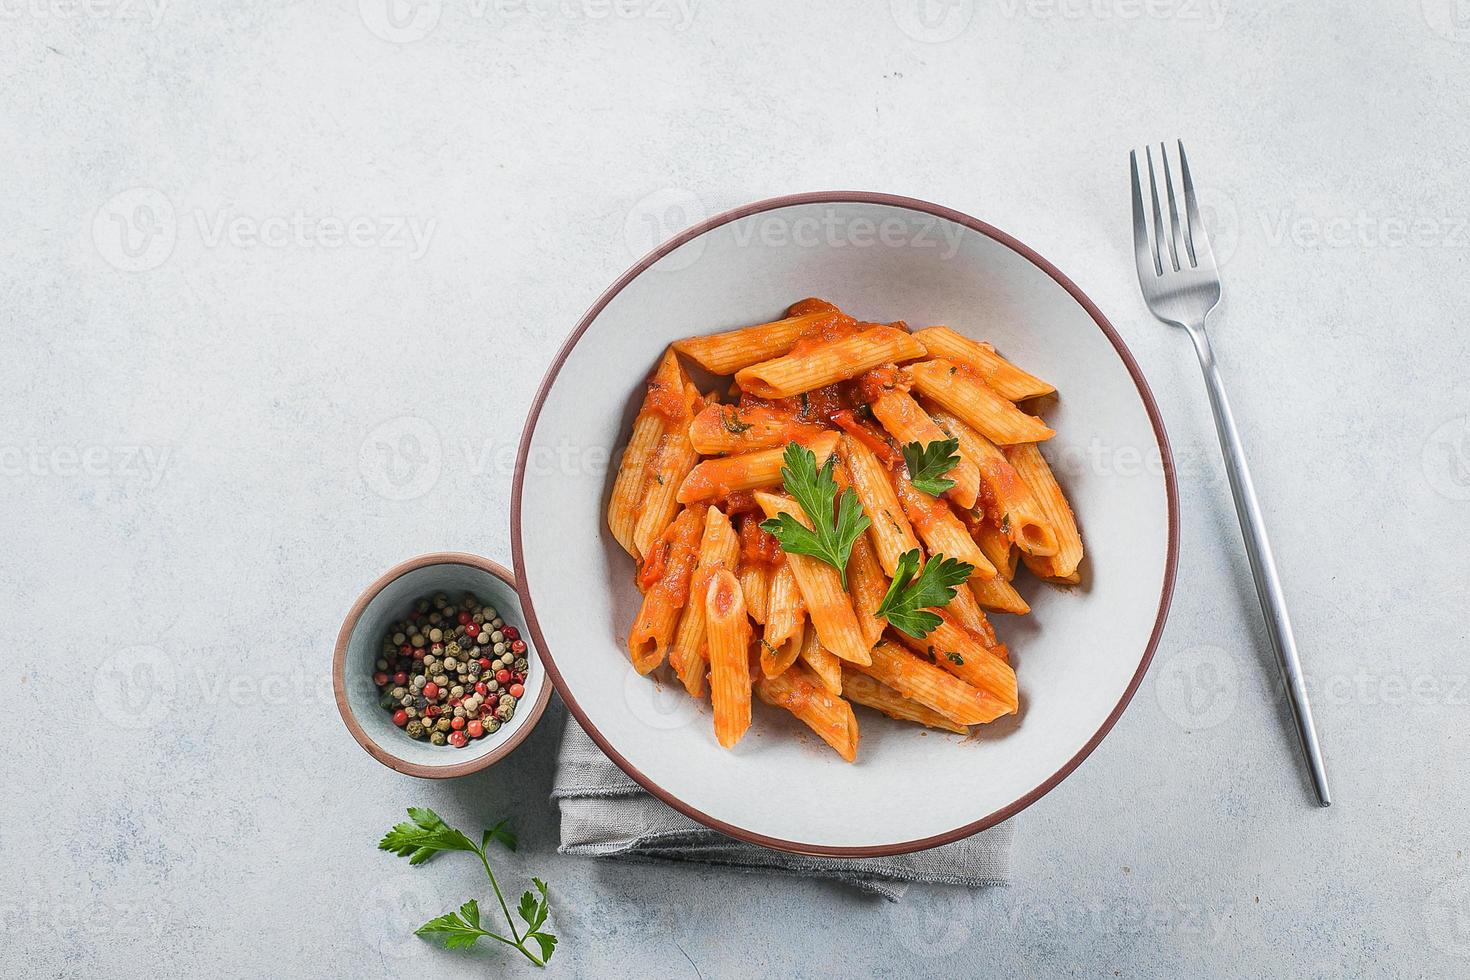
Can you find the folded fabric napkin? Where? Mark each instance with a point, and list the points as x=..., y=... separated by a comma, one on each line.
x=604, y=813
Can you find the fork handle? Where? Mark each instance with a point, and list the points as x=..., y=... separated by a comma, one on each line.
x=1263, y=565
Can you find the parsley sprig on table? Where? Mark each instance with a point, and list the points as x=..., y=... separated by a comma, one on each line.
x=427, y=836
x=911, y=596
x=836, y=523
x=928, y=463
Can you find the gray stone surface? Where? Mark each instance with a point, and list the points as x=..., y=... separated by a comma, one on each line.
x=196, y=381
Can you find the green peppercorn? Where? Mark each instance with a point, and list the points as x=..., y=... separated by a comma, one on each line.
x=492, y=725
x=506, y=709
x=415, y=729
x=443, y=724
x=438, y=738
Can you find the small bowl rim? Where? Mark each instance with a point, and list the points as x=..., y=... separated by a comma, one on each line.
x=339, y=670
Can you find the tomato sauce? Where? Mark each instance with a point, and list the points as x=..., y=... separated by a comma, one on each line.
x=811, y=305
x=869, y=435
x=665, y=400
x=881, y=380
x=756, y=545
x=670, y=562
x=923, y=511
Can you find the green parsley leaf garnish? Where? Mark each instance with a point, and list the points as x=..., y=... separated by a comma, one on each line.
x=928, y=463
x=954, y=658
x=428, y=835
x=911, y=596
x=425, y=837
x=830, y=538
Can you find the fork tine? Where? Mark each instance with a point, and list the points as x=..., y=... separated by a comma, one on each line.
x=1176, y=244
x=1199, y=238
x=1153, y=191
x=1142, y=254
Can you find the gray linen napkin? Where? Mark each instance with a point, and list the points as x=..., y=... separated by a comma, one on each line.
x=604, y=813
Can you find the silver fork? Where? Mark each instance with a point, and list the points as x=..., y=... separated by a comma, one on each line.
x=1176, y=271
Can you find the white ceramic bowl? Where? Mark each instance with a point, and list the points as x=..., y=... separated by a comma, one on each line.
x=1079, y=656
x=391, y=598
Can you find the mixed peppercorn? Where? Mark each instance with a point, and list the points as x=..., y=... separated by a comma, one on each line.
x=451, y=672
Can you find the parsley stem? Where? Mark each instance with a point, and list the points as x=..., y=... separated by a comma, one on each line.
x=519, y=942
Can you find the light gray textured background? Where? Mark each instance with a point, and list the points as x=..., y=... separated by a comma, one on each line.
x=198, y=400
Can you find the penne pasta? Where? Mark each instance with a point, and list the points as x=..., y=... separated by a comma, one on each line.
x=716, y=478
x=719, y=547
x=660, y=411
x=919, y=680
x=827, y=362
x=697, y=478
x=775, y=660
x=729, y=656
x=667, y=469
x=966, y=655
x=859, y=688
x=801, y=693
x=1009, y=504
x=943, y=533
x=825, y=665
x=728, y=352
x=1008, y=380
x=727, y=429
x=966, y=611
x=907, y=422
x=890, y=531
x=785, y=619
x=1063, y=563
x=995, y=545
x=827, y=604
x=978, y=405
x=665, y=572
x=998, y=595
x=755, y=583
x=868, y=585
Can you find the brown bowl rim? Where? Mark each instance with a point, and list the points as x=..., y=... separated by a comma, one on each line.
x=339, y=671
x=1171, y=564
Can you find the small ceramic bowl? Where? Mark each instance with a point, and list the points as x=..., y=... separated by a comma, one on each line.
x=359, y=642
